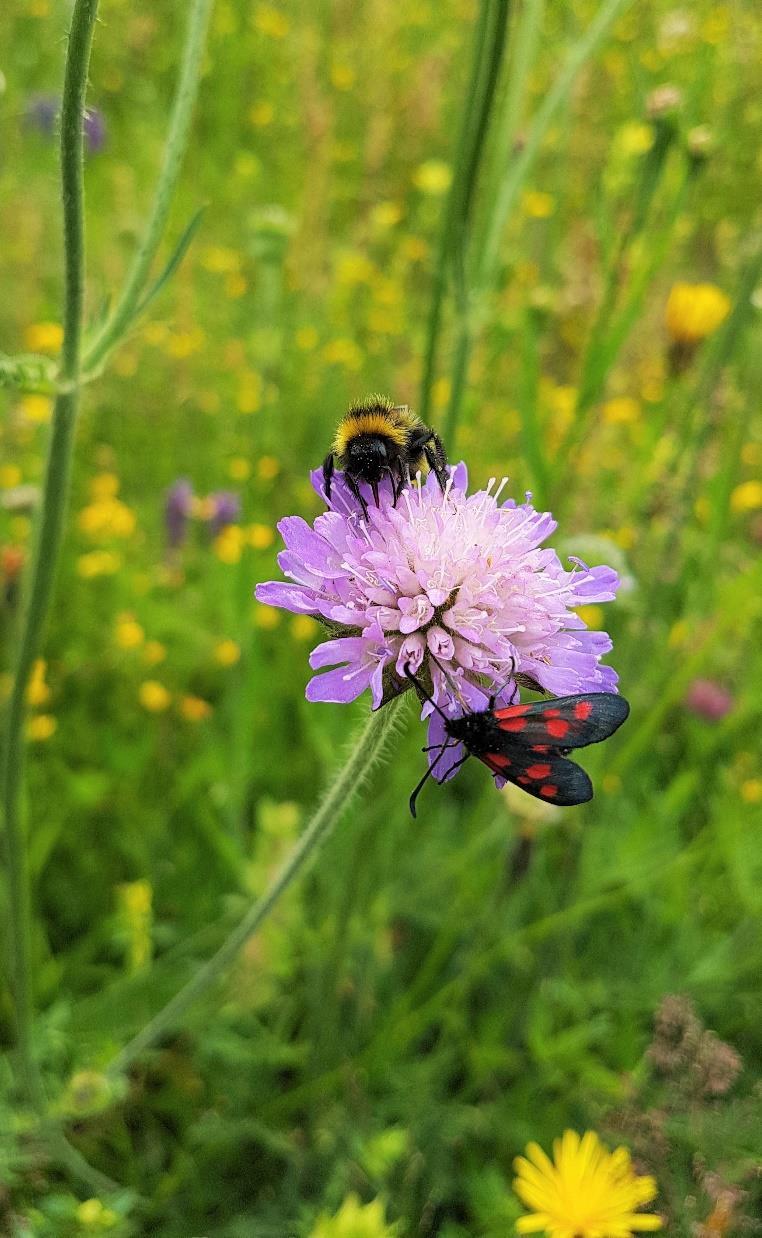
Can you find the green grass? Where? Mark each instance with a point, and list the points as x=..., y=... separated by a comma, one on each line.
x=433, y=994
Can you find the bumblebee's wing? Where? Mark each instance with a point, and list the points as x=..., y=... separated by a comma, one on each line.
x=566, y=722
x=549, y=776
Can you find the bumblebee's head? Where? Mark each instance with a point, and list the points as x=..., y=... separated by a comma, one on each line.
x=367, y=457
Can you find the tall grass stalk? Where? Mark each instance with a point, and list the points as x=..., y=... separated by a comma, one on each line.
x=132, y=298
x=48, y=533
x=364, y=755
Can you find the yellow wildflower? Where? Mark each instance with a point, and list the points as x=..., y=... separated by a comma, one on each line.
x=260, y=536
x=40, y=728
x=634, y=138
x=268, y=468
x=37, y=408
x=355, y=269
x=220, y=260
x=306, y=339
x=537, y=204
x=154, y=652
x=195, y=708
x=44, y=337
x=343, y=76
x=10, y=476
x=747, y=497
x=343, y=352
x=107, y=517
x=93, y=1214
x=153, y=696
x=227, y=652
x=229, y=543
x=695, y=311
x=128, y=633
x=262, y=114
x=98, y=563
x=621, y=410
x=37, y=690
x=751, y=791
x=239, y=468
x=591, y=615
x=271, y=21
x=303, y=627
x=136, y=899
x=249, y=398
x=385, y=215
x=585, y=1192
x=433, y=177
x=265, y=617
x=104, y=486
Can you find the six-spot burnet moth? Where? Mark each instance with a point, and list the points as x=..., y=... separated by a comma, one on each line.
x=527, y=744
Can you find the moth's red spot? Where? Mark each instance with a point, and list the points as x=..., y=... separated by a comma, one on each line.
x=513, y=724
x=538, y=771
x=583, y=709
x=522, y=778
x=540, y=748
x=557, y=727
x=548, y=791
x=499, y=759
x=551, y=713
x=512, y=711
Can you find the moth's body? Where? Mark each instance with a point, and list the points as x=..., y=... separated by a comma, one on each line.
x=377, y=438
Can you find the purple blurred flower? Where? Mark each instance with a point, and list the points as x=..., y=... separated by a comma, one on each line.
x=42, y=112
x=177, y=509
x=226, y=510
x=708, y=699
x=461, y=577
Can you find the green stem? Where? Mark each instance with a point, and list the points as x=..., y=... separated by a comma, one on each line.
x=48, y=532
x=434, y=324
x=128, y=305
x=364, y=754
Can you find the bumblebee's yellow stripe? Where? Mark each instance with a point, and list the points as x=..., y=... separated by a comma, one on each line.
x=385, y=424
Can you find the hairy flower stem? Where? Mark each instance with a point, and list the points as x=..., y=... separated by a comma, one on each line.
x=364, y=754
x=129, y=304
x=49, y=531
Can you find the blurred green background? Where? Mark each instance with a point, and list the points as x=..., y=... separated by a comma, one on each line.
x=434, y=994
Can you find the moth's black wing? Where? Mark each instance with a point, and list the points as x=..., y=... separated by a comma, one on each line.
x=548, y=776
x=563, y=722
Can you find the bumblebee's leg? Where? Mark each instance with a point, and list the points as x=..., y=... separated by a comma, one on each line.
x=355, y=489
x=329, y=465
x=374, y=488
x=434, y=451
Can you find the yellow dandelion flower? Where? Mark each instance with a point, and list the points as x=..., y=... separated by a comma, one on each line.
x=747, y=497
x=107, y=517
x=695, y=311
x=195, y=708
x=433, y=177
x=303, y=627
x=268, y=468
x=128, y=633
x=262, y=114
x=98, y=563
x=104, y=486
x=40, y=728
x=154, y=652
x=229, y=543
x=153, y=696
x=37, y=408
x=271, y=22
x=537, y=204
x=227, y=652
x=37, y=690
x=584, y=1192
x=44, y=337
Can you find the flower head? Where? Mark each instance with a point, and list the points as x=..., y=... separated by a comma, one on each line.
x=178, y=505
x=584, y=1192
x=455, y=587
x=226, y=508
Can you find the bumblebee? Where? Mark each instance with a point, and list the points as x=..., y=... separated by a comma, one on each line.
x=376, y=438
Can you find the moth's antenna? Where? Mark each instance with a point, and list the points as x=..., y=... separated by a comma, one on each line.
x=505, y=682
x=427, y=696
x=453, y=686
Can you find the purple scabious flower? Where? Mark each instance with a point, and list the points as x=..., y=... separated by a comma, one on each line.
x=461, y=577
x=42, y=112
x=225, y=510
x=94, y=129
x=177, y=509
